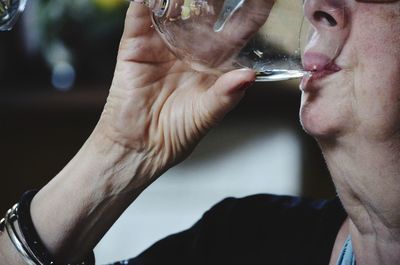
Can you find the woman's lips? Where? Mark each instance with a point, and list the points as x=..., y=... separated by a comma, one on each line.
x=319, y=66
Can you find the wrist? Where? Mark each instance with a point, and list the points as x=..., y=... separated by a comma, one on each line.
x=121, y=168
x=89, y=195
x=18, y=226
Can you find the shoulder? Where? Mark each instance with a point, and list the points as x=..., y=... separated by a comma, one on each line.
x=254, y=230
x=268, y=207
x=260, y=227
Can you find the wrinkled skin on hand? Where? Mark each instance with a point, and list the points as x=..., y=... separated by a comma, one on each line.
x=158, y=106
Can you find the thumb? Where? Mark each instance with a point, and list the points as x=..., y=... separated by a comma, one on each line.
x=226, y=92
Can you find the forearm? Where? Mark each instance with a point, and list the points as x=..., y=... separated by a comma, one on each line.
x=74, y=211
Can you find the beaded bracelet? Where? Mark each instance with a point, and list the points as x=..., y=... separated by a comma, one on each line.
x=22, y=233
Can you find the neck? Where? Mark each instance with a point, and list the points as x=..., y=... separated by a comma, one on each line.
x=367, y=177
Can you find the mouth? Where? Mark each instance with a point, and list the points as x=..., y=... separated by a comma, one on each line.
x=319, y=66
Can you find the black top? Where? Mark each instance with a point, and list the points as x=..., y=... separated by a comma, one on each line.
x=260, y=229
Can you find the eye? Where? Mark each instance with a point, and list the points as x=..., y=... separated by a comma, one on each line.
x=324, y=17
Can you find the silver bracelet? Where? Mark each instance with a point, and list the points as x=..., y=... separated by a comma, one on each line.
x=14, y=232
x=2, y=225
x=17, y=224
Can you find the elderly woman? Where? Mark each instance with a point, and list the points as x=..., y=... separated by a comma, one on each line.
x=158, y=109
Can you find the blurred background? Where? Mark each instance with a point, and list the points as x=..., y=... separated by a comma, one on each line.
x=55, y=71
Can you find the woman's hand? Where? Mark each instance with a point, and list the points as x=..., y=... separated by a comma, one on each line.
x=156, y=112
x=158, y=106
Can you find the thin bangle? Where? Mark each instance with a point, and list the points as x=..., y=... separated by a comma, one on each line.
x=10, y=221
x=2, y=225
x=22, y=233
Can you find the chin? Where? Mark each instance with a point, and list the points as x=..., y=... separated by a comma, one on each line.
x=319, y=122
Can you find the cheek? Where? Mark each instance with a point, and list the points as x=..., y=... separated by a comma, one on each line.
x=375, y=38
x=376, y=96
x=376, y=67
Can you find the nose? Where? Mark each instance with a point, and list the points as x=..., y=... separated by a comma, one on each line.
x=326, y=14
x=329, y=29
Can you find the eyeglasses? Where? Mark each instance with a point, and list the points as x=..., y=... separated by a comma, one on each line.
x=10, y=10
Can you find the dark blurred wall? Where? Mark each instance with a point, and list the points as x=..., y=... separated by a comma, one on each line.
x=40, y=133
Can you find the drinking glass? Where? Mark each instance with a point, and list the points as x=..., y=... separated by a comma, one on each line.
x=217, y=36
